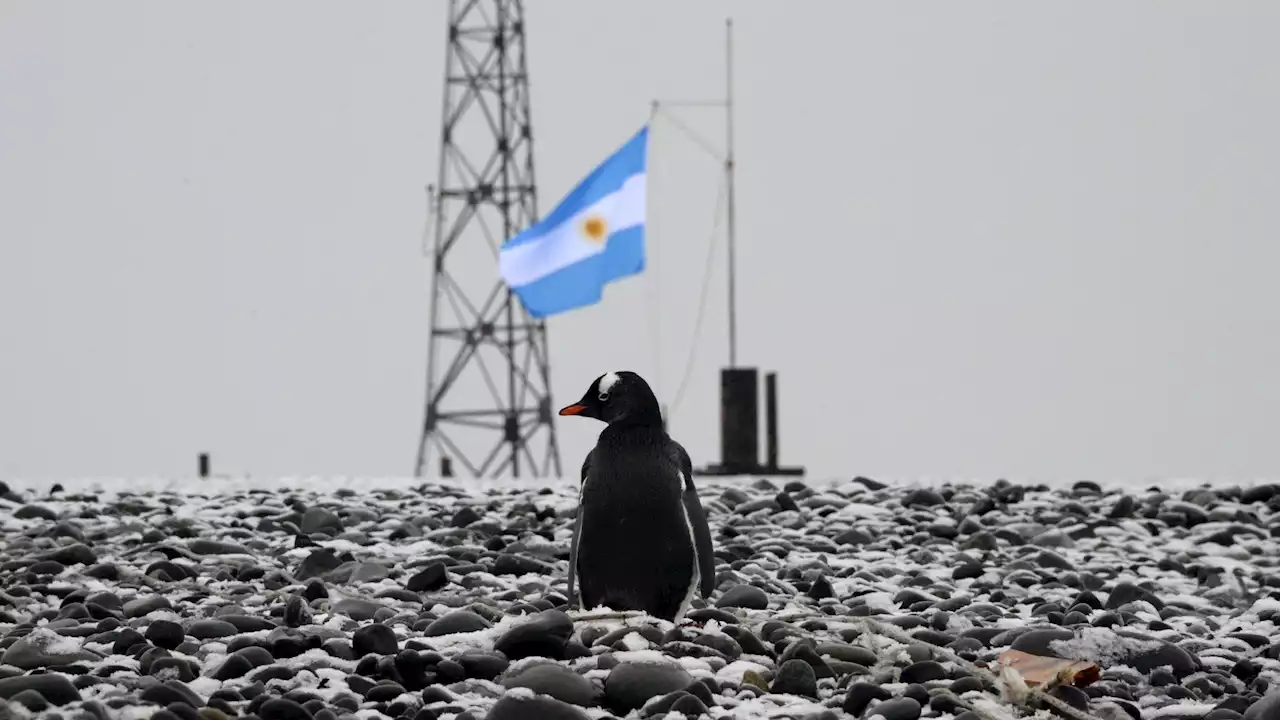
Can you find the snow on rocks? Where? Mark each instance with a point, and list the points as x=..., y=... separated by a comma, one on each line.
x=416, y=602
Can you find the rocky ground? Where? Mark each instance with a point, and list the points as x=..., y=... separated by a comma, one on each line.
x=438, y=602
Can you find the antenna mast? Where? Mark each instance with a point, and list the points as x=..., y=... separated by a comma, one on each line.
x=729, y=206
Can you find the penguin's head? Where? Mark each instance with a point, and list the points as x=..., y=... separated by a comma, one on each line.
x=618, y=397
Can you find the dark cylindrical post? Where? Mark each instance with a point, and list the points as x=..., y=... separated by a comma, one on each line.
x=203, y=462
x=771, y=420
x=446, y=467
x=739, y=419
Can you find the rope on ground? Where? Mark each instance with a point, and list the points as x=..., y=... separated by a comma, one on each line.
x=1013, y=690
x=589, y=615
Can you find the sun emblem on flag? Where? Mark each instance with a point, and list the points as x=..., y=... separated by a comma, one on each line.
x=595, y=229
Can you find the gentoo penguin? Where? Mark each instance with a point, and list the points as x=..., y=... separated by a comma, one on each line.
x=641, y=540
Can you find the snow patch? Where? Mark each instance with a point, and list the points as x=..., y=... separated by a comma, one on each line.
x=734, y=671
x=49, y=642
x=635, y=641
x=1102, y=646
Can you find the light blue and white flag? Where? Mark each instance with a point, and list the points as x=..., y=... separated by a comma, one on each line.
x=593, y=237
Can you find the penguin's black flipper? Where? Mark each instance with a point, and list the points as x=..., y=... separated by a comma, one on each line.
x=698, y=521
x=577, y=531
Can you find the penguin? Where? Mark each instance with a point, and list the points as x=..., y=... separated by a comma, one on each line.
x=640, y=540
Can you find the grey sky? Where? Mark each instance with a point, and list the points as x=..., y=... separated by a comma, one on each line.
x=976, y=239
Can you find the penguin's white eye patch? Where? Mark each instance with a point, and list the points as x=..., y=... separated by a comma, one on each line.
x=604, y=397
x=607, y=381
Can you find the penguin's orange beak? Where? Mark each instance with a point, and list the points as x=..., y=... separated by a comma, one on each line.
x=575, y=409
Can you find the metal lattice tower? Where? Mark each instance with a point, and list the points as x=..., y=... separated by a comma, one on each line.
x=483, y=343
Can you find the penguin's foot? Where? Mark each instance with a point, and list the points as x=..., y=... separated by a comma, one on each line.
x=687, y=623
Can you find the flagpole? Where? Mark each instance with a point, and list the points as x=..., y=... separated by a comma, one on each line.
x=655, y=323
x=729, y=170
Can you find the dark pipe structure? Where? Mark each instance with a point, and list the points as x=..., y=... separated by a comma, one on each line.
x=740, y=425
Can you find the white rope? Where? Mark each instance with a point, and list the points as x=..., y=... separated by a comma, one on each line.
x=694, y=136
x=1014, y=691
x=702, y=301
x=654, y=324
x=589, y=615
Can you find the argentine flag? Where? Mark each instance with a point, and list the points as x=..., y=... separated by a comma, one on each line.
x=593, y=237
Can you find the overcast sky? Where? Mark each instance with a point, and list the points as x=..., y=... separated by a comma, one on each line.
x=976, y=239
